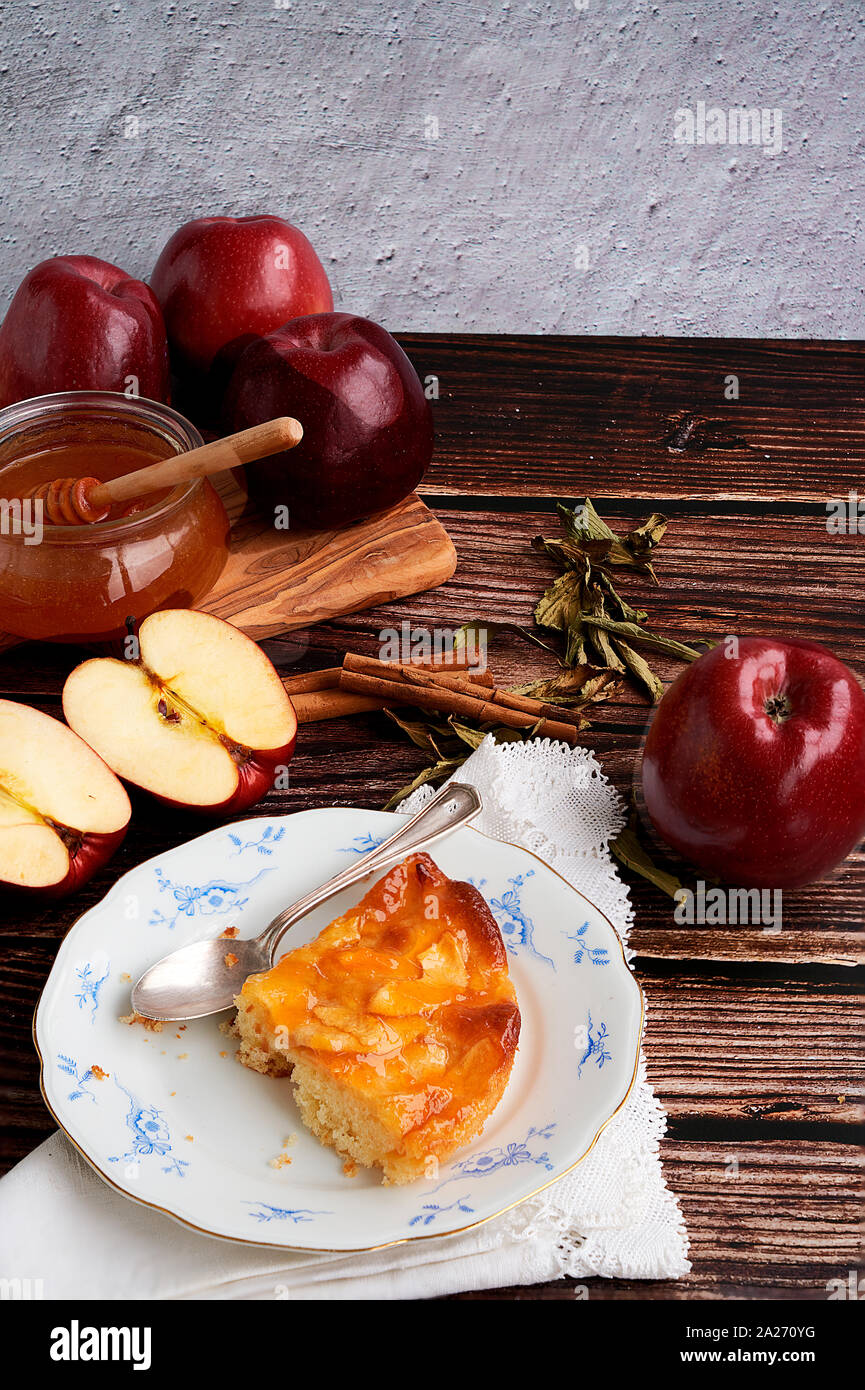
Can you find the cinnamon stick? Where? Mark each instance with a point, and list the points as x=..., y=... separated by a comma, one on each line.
x=310, y=681
x=316, y=694
x=448, y=701
x=313, y=706
x=328, y=679
x=469, y=685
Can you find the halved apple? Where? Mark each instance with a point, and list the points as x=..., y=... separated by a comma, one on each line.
x=63, y=813
x=201, y=720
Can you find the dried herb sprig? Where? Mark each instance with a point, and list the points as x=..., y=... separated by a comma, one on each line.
x=600, y=630
x=584, y=605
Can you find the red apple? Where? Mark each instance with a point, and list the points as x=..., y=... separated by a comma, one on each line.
x=79, y=324
x=754, y=764
x=224, y=279
x=367, y=425
x=63, y=813
x=201, y=720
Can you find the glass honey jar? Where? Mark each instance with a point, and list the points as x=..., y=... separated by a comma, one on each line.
x=83, y=583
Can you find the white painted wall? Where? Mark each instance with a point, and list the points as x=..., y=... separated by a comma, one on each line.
x=554, y=132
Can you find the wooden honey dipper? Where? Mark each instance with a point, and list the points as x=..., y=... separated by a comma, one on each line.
x=77, y=501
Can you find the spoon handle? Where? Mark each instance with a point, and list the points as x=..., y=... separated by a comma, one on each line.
x=451, y=807
x=258, y=442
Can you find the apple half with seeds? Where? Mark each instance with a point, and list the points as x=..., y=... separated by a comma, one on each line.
x=201, y=719
x=63, y=813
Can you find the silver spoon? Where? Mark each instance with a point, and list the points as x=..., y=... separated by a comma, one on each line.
x=196, y=981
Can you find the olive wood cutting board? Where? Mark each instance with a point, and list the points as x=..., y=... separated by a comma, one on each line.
x=276, y=581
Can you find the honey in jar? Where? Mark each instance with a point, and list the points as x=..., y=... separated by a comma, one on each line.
x=83, y=583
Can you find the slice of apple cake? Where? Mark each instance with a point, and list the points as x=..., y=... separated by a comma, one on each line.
x=398, y=1024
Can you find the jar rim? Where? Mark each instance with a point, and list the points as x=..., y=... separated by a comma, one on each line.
x=141, y=408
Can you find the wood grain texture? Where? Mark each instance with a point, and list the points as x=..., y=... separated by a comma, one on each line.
x=770, y=1049
x=276, y=581
x=559, y=417
x=753, y=1037
x=766, y=1220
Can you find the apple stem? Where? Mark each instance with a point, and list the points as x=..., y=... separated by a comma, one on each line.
x=778, y=708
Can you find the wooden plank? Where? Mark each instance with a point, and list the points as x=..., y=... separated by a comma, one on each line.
x=645, y=417
x=782, y=1050
x=799, y=947
x=779, y=1223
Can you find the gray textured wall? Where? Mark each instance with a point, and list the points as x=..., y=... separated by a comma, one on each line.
x=554, y=133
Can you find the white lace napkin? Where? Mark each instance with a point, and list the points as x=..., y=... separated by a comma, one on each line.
x=613, y=1215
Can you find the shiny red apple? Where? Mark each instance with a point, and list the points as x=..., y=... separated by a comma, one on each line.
x=80, y=324
x=63, y=813
x=367, y=425
x=754, y=764
x=201, y=720
x=222, y=280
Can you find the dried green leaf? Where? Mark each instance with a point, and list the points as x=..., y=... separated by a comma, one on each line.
x=630, y=852
x=643, y=539
x=633, y=632
x=583, y=523
x=624, y=611
x=574, y=687
x=479, y=626
x=565, y=553
x=587, y=530
x=472, y=736
x=435, y=772
x=503, y=733
x=422, y=732
x=559, y=606
x=640, y=668
x=594, y=608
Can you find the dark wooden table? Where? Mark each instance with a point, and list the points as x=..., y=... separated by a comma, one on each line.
x=754, y=1040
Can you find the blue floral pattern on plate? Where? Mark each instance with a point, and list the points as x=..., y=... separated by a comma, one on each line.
x=150, y=1135
x=213, y=899
x=87, y=986
x=595, y=1040
x=430, y=1212
x=598, y=955
x=82, y=1077
x=263, y=845
x=517, y=927
x=362, y=844
x=265, y=1212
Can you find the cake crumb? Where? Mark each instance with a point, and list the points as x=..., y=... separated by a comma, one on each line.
x=281, y=1161
x=188, y=1138
x=125, y=978
x=230, y=933
x=181, y=1056
x=350, y=1168
x=223, y=1054
x=231, y=960
x=153, y=1025
x=98, y=1073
